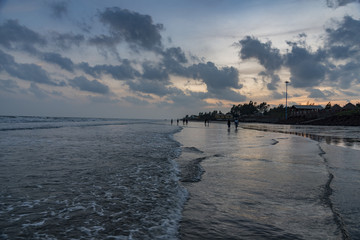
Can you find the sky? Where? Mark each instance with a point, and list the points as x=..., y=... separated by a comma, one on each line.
x=162, y=59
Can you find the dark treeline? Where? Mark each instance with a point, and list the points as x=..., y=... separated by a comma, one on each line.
x=348, y=115
x=241, y=110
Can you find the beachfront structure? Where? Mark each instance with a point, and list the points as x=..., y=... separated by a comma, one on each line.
x=305, y=110
x=349, y=106
x=221, y=116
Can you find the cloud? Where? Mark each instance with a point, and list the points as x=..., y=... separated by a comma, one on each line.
x=277, y=95
x=350, y=93
x=38, y=92
x=215, y=78
x=55, y=58
x=318, y=94
x=58, y=9
x=226, y=94
x=94, y=86
x=30, y=72
x=135, y=100
x=274, y=79
x=119, y=72
x=174, y=60
x=347, y=33
x=267, y=56
x=179, y=100
x=15, y=36
x=311, y=68
x=102, y=99
x=152, y=87
x=156, y=73
x=176, y=54
x=346, y=74
x=218, y=81
x=341, y=52
x=343, y=43
x=340, y=3
x=8, y=86
x=65, y=41
x=306, y=68
x=136, y=29
x=25, y=71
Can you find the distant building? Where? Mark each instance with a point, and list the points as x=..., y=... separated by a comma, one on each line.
x=305, y=110
x=194, y=117
x=221, y=116
x=349, y=106
x=228, y=116
x=336, y=108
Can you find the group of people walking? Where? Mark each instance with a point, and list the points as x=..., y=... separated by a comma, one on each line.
x=236, y=121
x=207, y=122
x=185, y=121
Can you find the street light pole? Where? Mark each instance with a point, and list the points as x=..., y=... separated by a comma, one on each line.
x=286, y=84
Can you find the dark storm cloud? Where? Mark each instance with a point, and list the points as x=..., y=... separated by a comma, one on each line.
x=174, y=60
x=16, y=36
x=156, y=73
x=219, y=81
x=306, y=68
x=132, y=27
x=25, y=71
x=30, y=72
x=176, y=54
x=119, y=72
x=59, y=9
x=341, y=52
x=94, y=86
x=215, y=78
x=343, y=43
x=346, y=33
x=345, y=75
x=267, y=56
x=55, y=58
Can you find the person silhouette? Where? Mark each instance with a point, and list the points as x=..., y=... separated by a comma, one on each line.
x=236, y=123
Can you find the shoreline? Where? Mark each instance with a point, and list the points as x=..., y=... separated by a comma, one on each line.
x=337, y=120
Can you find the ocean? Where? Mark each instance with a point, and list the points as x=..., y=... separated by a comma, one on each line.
x=88, y=178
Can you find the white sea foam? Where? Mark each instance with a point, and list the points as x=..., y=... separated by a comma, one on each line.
x=95, y=177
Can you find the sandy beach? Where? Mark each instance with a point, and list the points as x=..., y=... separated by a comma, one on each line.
x=248, y=184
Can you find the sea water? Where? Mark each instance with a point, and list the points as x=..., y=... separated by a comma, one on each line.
x=82, y=178
x=265, y=181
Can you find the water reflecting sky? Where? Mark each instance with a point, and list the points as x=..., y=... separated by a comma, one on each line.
x=343, y=136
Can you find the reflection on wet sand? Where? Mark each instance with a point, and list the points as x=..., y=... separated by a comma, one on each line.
x=330, y=135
